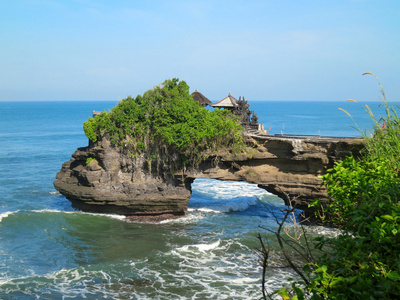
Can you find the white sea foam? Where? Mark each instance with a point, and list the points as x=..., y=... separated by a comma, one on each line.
x=200, y=247
x=214, y=196
x=225, y=190
x=212, y=269
x=55, y=193
x=112, y=216
x=188, y=219
x=72, y=283
x=223, y=205
x=330, y=232
x=224, y=269
x=204, y=210
x=52, y=211
x=6, y=214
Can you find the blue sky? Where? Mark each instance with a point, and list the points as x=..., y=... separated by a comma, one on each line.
x=261, y=49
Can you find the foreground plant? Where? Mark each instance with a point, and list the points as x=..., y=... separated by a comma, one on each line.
x=364, y=261
x=295, y=250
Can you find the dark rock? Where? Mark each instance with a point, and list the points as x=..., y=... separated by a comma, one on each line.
x=114, y=182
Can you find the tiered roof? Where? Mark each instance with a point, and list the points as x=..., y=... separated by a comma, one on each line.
x=199, y=97
x=227, y=102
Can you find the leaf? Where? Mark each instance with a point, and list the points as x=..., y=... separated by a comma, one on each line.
x=387, y=217
x=283, y=293
x=394, y=276
x=321, y=269
x=299, y=292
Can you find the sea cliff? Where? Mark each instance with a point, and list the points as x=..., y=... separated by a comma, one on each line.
x=144, y=154
x=115, y=182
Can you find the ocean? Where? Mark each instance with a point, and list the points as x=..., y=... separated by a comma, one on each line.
x=48, y=250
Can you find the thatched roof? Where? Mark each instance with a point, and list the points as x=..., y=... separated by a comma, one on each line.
x=199, y=97
x=227, y=102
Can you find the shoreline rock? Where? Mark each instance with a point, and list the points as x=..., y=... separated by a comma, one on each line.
x=113, y=181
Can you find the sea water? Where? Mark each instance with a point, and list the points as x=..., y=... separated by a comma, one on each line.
x=48, y=250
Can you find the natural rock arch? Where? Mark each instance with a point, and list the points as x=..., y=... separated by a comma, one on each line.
x=114, y=183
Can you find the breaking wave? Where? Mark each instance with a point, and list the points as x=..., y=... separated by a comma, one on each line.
x=219, y=196
x=6, y=214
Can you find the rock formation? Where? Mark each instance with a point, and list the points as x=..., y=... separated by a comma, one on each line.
x=113, y=181
x=288, y=167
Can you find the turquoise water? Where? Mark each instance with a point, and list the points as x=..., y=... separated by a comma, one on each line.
x=50, y=251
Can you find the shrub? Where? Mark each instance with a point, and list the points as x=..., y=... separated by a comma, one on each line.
x=364, y=261
x=166, y=121
x=89, y=127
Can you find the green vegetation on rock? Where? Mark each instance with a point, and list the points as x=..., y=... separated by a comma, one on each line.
x=89, y=160
x=164, y=122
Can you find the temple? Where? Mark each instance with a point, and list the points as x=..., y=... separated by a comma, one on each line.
x=248, y=119
x=199, y=97
x=228, y=102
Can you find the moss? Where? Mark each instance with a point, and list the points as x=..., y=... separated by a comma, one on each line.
x=90, y=159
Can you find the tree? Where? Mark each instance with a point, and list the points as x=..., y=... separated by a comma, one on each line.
x=164, y=123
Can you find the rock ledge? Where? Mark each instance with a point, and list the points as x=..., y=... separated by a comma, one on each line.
x=114, y=182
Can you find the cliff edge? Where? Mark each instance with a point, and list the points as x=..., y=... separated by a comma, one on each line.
x=114, y=182
x=144, y=154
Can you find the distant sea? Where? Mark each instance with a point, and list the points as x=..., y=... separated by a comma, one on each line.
x=48, y=250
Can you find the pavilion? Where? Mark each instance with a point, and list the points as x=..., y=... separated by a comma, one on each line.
x=228, y=102
x=199, y=97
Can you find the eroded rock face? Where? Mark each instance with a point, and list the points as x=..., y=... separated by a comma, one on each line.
x=287, y=167
x=114, y=182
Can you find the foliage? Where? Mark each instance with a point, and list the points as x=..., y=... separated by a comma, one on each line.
x=365, y=202
x=364, y=261
x=89, y=160
x=165, y=121
x=358, y=188
x=89, y=128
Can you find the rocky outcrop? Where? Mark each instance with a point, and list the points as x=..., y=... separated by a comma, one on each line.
x=288, y=167
x=116, y=182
